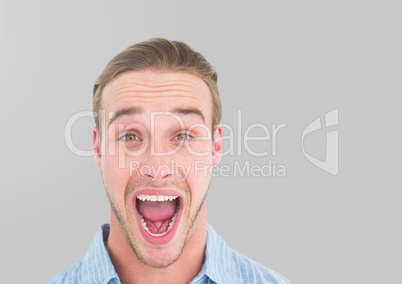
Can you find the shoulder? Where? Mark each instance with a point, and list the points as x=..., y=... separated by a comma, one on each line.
x=95, y=267
x=251, y=271
x=68, y=276
x=226, y=265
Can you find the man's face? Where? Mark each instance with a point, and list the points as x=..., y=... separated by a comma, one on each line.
x=157, y=151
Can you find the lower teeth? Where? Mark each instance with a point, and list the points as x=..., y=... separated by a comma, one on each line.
x=171, y=224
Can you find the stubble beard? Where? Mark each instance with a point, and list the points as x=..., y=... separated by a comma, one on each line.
x=127, y=226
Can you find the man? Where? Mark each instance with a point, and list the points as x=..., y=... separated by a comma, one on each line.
x=156, y=138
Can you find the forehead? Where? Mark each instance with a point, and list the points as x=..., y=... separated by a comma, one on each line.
x=152, y=90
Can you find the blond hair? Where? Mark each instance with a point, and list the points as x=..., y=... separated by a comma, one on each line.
x=159, y=54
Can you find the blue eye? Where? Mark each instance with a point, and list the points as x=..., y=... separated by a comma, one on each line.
x=183, y=136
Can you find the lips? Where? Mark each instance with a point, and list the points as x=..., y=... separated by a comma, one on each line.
x=158, y=213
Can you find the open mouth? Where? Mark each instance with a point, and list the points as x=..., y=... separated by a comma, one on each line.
x=158, y=213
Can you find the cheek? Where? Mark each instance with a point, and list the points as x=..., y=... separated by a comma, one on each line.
x=198, y=183
x=115, y=179
x=199, y=149
x=197, y=172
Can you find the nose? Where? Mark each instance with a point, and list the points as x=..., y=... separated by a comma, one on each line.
x=157, y=164
x=156, y=171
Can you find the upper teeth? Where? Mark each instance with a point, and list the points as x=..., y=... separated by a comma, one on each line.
x=156, y=197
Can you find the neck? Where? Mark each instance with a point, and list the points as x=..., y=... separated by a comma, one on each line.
x=131, y=270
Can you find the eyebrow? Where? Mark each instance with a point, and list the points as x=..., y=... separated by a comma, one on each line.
x=124, y=112
x=188, y=111
x=136, y=110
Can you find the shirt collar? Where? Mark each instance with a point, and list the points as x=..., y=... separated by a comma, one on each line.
x=97, y=264
x=217, y=256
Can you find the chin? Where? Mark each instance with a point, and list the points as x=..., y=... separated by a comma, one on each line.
x=159, y=257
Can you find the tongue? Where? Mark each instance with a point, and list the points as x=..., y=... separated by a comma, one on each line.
x=157, y=214
x=156, y=210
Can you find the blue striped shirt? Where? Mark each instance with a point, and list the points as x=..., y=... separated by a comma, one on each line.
x=222, y=265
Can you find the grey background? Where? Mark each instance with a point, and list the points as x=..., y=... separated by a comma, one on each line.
x=279, y=62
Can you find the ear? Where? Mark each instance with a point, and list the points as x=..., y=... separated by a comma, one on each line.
x=217, y=145
x=97, y=150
